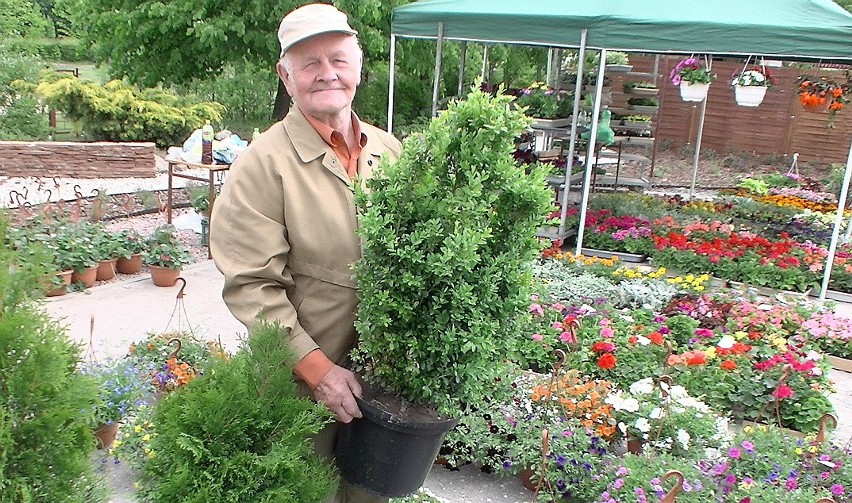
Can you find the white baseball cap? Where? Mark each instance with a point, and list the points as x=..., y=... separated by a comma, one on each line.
x=310, y=20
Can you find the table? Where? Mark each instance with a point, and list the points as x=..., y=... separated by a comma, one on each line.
x=213, y=170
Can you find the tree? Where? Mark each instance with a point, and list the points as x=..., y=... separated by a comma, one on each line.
x=21, y=18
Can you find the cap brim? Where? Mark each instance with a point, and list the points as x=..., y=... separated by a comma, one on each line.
x=310, y=34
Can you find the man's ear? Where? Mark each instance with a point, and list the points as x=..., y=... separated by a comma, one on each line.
x=283, y=75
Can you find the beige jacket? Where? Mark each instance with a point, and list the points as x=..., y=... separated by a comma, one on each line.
x=283, y=232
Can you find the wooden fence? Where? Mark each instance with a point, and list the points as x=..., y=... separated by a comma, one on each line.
x=779, y=126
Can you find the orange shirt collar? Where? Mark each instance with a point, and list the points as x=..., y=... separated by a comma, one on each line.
x=327, y=133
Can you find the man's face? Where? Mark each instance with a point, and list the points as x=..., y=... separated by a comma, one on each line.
x=321, y=73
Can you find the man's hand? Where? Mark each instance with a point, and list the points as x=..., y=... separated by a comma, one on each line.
x=336, y=391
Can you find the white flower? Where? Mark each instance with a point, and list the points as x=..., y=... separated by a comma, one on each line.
x=727, y=342
x=642, y=387
x=630, y=405
x=656, y=413
x=642, y=425
x=683, y=438
x=813, y=356
x=642, y=340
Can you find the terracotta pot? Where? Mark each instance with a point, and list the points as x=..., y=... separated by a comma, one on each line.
x=693, y=92
x=163, y=276
x=106, y=269
x=526, y=479
x=634, y=445
x=86, y=276
x=62, y=289
x=130, y=265
x=105, y=435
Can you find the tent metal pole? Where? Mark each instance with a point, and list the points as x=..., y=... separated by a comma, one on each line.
x=697, y=148
x=484, y=62
x=590, y=151
x=463, y=53
x=572, y=141
x=547, y=79
x=838, y=218
x=391, y=76
x=440, y=44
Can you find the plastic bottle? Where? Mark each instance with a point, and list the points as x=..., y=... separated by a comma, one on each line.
x=255, y=134
x=207, y=144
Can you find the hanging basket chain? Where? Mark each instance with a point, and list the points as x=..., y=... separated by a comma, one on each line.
x=180, y=310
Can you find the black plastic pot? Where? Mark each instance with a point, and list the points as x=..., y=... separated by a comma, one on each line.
x=386, y=456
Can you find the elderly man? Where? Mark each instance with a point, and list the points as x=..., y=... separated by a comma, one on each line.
x=283, y=228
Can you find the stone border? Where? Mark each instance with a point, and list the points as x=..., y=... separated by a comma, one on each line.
x=77, y=159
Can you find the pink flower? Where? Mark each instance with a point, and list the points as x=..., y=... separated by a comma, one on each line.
x=836, y=489
x=782, y=391
x=566, y=337
x=536, y=337
x=734, y=453
x=536, y=309
x=607, y=332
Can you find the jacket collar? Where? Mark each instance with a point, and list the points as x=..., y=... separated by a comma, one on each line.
x=310, y=146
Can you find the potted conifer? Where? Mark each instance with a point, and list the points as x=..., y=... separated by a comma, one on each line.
x=448, y=236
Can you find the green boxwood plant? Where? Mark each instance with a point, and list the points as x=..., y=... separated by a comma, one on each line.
x=448, y=238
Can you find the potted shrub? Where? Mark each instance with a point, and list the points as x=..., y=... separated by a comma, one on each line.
x=131, y=246
x=693, y=79
x=448, y=236
x=165, y=256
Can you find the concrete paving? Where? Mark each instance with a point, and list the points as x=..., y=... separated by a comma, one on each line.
x=127, y=309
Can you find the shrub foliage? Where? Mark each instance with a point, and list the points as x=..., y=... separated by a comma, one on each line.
x=448, y=236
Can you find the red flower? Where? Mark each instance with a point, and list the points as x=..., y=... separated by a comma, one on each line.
x=656, y=338
x=728, y=365
x=632, y=339
x=695, y=358
x=603, y=347
x=782, y=391
x=606, y=361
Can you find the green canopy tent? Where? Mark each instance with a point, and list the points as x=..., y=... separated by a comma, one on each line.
x=803, y=30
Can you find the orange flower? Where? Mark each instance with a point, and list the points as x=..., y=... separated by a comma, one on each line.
x=728, y=365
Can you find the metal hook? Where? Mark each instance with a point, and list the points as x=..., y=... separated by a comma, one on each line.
x=174, y=353
x=670, y=496
x=12, y=195
x=78, y=191
x=560, y=360
x=180, y=293
x=664, y=390
x=820, y=436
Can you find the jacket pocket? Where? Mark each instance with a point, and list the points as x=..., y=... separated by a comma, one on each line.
x=336, y=277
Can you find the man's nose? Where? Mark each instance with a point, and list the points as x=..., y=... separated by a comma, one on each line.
x=326, y=71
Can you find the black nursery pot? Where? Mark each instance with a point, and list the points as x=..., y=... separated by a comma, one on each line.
x=387, y=456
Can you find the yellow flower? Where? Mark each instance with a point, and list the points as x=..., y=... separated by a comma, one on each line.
x=150, y=455
x=740, y=335
x=799, y=451
x=748, y=429
x=689, y=278
x=137, y=428
x=147, y=437
x=710, y=352
x=116, y=443
x=699, y=288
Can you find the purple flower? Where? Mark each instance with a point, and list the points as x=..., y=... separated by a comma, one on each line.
x=734, y=453
x=836, y=489
x=747, y=446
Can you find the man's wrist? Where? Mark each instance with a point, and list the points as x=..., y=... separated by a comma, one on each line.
x=313, y=368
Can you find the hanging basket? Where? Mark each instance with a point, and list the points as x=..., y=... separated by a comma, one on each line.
x=749, y=96
x=693, y=92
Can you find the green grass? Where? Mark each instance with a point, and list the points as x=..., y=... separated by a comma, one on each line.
x=88, y=70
